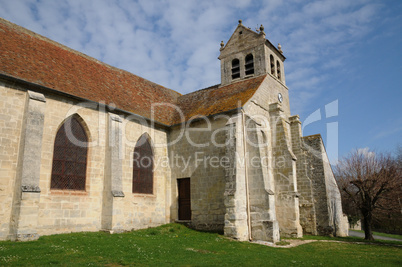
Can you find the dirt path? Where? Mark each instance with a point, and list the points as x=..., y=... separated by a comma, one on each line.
x=293, y=243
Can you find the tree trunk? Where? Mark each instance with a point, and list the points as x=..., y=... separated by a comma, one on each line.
x=367, y=220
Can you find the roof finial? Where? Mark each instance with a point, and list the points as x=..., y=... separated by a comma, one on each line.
x=280, y=48
x=261, y=28
x=222, y=45
x=240, y=22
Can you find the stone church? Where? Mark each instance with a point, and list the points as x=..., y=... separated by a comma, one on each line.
x=85, y=146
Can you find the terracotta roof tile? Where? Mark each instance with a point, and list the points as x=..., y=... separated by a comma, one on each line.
x=217, y=99
x=36, y=59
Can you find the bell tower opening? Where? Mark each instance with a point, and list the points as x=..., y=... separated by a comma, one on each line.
x=272, y=61
x=278, y=69
x=249, y=64
x=235, y=69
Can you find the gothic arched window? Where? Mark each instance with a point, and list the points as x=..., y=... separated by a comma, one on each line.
x=278, y=69
x=70, y=156
x=249, y=64
x=235, y=68
x=143, y=165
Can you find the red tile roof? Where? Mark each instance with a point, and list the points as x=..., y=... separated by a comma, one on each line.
x=217, y=99
x=36, y=59
x=33, y=58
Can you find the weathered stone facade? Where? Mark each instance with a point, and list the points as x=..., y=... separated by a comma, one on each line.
x=329, y=216
x=190, y=157
x=31, y=208
x=252, y=174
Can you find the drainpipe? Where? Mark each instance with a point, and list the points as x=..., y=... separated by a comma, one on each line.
x=246, y=175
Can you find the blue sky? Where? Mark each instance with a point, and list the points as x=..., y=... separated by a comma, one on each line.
x=343, y=67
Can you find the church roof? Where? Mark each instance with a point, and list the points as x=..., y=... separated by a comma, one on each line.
x=216, y=99
x=33, y=58
x=36, y=59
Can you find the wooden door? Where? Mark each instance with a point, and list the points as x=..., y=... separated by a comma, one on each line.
x=184, y=199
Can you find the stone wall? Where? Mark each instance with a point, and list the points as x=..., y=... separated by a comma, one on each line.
x=267, y=94
x=264, y=225
x=29, y=208
x=280, y=173
x=327, y=198
x=265, y=108
x=196, y=152
x=143, y=210
x=286, y=195
x=304, y=184
x=63, y=211
x=236, y=210
x=249, y=197
x=12, y=103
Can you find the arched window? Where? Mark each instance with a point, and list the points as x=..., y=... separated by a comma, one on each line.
x=249, y=64
x=271, y=59
x=143, y=165
x=235, y=68
x=70, y=156
x=278, y=69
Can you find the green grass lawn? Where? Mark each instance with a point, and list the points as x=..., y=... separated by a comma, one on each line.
x=177, y=245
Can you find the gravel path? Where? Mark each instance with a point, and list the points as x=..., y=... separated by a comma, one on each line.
x=359, y=234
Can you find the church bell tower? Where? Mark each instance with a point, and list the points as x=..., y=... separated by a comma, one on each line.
x=249, y=54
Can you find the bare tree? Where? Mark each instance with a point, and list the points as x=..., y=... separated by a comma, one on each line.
x=368, y=181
